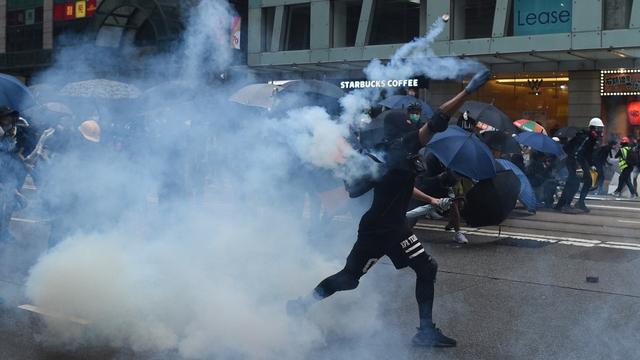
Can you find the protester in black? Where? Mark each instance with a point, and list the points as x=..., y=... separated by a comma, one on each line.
x=579, y=160
x=383, y=229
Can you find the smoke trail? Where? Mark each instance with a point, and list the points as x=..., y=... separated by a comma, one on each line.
x=417, y=58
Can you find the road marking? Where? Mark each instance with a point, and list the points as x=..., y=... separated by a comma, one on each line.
x=629, y=221
x=28, y=221
x=614, y=207
x=538, y=237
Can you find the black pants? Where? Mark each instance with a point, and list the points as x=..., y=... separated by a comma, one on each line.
x=625, y=179
x=403, y=250
x=573, y=184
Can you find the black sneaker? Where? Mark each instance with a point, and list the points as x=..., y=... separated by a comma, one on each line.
x=582, y=207
x=432, y=337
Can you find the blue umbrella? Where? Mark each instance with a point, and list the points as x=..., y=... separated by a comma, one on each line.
x=540, y=142
x=15, y=94
x=526, y=195
x=463, y=153
x=403, y=101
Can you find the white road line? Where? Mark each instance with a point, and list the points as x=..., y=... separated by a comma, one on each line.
x=613, y=207
x=538, y=237
x=629, y=221
x=28, y=221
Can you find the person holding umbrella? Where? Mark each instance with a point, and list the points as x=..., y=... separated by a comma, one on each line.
x=579, y=160
x=383, y=229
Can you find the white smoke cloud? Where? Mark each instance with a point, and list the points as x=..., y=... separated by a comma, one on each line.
x=210, y=278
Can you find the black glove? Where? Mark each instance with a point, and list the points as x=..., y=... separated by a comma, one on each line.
x=477, y=81
x=438, y=122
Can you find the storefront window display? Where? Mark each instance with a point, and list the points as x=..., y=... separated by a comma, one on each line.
x=542, y=97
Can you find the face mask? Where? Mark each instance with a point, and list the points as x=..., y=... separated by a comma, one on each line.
x=414, y=117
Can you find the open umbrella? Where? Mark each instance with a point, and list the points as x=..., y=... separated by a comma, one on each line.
x=490, y=201
x=540, y=142
x=15, y=94
x=500, y=141
x=568, y=132
x=488, y=114
x=463, y=152
x=270, y=96
x=526, y=196
x=529, y=125
x=403, y=101
x=101, y=89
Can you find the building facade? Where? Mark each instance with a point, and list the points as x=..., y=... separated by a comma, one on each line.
x=546, y=55
x=31, y=30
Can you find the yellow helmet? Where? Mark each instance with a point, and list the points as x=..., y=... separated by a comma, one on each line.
x=90, y=130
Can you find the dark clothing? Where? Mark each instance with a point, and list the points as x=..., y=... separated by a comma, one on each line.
x=580, y=154
x=540, y=175
x=625, y=179
x=383, y=229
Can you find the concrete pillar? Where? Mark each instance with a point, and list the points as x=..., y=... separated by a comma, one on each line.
x=584, y=97
x=320, y=36
x=47, y=24
x=3, y=26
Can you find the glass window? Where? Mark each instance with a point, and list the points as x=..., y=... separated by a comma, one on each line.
x=268, y=14
x=395, y=21
x=473, y=18
x=346, y=16
x=24, y=29
x=616, y=14
x=540, y=96
x=298, y=22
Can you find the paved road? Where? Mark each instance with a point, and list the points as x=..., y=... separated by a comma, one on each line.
x=515, y=292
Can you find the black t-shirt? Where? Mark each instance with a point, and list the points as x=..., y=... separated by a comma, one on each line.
x=392, y=193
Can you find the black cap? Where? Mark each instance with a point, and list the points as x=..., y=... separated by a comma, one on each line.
x=6, y=111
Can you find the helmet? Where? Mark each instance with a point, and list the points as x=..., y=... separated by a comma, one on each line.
x=90, y=130
x=597, y=122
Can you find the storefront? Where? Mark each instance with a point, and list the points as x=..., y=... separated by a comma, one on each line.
x=620, y=94
x=539, y=96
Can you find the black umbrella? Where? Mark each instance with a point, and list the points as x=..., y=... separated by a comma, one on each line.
x=490, y=201
x=568, y=132
x=501, y=141
x=489, y=115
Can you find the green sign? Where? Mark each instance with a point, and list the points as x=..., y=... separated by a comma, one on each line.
x=531, y=17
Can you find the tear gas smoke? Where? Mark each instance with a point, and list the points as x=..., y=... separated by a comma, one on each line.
x=417, y=58
x=205, y=278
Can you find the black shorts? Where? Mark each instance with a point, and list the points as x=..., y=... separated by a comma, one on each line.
x=401, y=246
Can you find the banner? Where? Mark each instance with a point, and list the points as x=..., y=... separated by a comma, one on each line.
x=532, y=17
